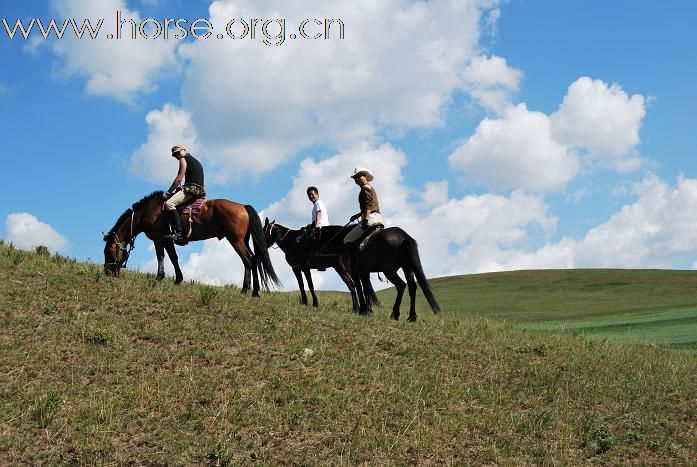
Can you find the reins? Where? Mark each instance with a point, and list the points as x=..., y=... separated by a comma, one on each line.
x=331, y=238
x=127, y=247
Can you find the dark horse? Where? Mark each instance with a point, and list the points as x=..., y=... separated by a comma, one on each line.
x=326, y=252
x=219, y=218
x=387, y=251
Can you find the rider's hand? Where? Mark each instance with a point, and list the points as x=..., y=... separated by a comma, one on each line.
x=166, y=195
x=355, y=216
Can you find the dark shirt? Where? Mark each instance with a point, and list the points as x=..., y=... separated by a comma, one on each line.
x=194, y=171
x=368, y=199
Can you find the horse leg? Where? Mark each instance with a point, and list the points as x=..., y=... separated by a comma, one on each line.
x=362, y=306
x=311, y=286
x=160, y=253
x=246, y=256
x=172, y=253
x=411, y=283
x=346, y=277
x=367, y=287
x=299, y=277
x=399, y=284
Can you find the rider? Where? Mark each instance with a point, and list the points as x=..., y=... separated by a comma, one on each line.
x=191, y=171
x=370, y=212
x=320, y=216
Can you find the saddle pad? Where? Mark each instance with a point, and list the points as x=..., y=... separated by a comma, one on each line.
x=195, y=207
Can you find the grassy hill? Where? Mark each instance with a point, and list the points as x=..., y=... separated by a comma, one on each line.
x=96, y=370
x=641, y=306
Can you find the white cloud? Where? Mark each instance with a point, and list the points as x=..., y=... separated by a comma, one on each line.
x=25, y=231
x=117, y=68
x=435, y=193
x=516, y=151
x=654, y=231
x=169, y=126
x=253, y=106
x=596, y=124
x=492, y=82
x=603, y=119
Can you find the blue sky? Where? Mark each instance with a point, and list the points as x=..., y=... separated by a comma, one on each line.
x=504, y=134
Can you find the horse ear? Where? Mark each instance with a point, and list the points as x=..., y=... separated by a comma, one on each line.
x=104, y=236
x=266, y=222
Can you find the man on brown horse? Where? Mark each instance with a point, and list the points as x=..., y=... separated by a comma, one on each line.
x=191, y=171
x=370, y=213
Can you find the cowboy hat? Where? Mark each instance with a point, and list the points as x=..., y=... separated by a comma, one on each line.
x=362, y=171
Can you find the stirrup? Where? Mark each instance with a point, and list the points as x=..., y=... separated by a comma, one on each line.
x=176, y=236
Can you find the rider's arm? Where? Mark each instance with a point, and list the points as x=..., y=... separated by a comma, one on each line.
x=180, y=175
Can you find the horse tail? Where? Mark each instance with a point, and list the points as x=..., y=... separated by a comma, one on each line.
x=264, y=266
x=411, y=257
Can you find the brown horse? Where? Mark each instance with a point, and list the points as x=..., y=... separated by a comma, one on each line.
x=218, y=218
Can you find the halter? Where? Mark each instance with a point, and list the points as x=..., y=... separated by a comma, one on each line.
x=123, y=247
x=280, y=239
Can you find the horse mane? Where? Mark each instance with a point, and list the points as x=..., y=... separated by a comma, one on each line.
x=135, y=206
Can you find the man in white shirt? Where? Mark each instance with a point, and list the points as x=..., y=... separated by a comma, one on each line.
x=320, y=217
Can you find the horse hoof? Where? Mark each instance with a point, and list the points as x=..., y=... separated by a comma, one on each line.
x=159, y=278
x=412, y=319
x=394, y=317
x=178, y=281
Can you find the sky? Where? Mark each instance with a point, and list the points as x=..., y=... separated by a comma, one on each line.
x=503, y=134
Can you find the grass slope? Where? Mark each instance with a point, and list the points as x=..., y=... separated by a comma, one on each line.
x=642, y=306
x=130, y=371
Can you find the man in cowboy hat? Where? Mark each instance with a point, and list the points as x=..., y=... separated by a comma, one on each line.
x=370, y=212
x=191, y=171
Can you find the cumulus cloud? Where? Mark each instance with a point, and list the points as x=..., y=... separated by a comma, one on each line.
x=654, y=231
x=25, y=231
x=254, y=106
x=169, y=126
x=603, y=119
x=516, y=151
x=117, y=68
x=492, y=82
x=596, y=124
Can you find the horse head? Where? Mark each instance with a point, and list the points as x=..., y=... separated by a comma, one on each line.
x=270, y=233
x=115, y=254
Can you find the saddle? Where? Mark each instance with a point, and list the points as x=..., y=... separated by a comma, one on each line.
x=368, y=234
x=189, y=209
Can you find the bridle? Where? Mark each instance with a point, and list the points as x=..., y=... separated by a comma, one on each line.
x=279, y=240
x=123, y=249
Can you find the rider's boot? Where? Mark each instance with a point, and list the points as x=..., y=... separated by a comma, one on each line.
x=176, y=224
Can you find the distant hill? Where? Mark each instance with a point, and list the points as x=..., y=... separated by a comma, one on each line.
x=130, y=371
x=639, y=305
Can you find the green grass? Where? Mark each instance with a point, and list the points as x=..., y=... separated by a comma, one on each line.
x=640, y=306
x=112, y=371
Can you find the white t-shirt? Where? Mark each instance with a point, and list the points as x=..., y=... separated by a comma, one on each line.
x=320, y=207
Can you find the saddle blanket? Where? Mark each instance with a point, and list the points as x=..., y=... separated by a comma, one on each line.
x=191, y=208
x=195, y=207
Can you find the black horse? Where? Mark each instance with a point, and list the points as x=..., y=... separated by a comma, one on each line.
x=320, y=253
x=387, y=251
